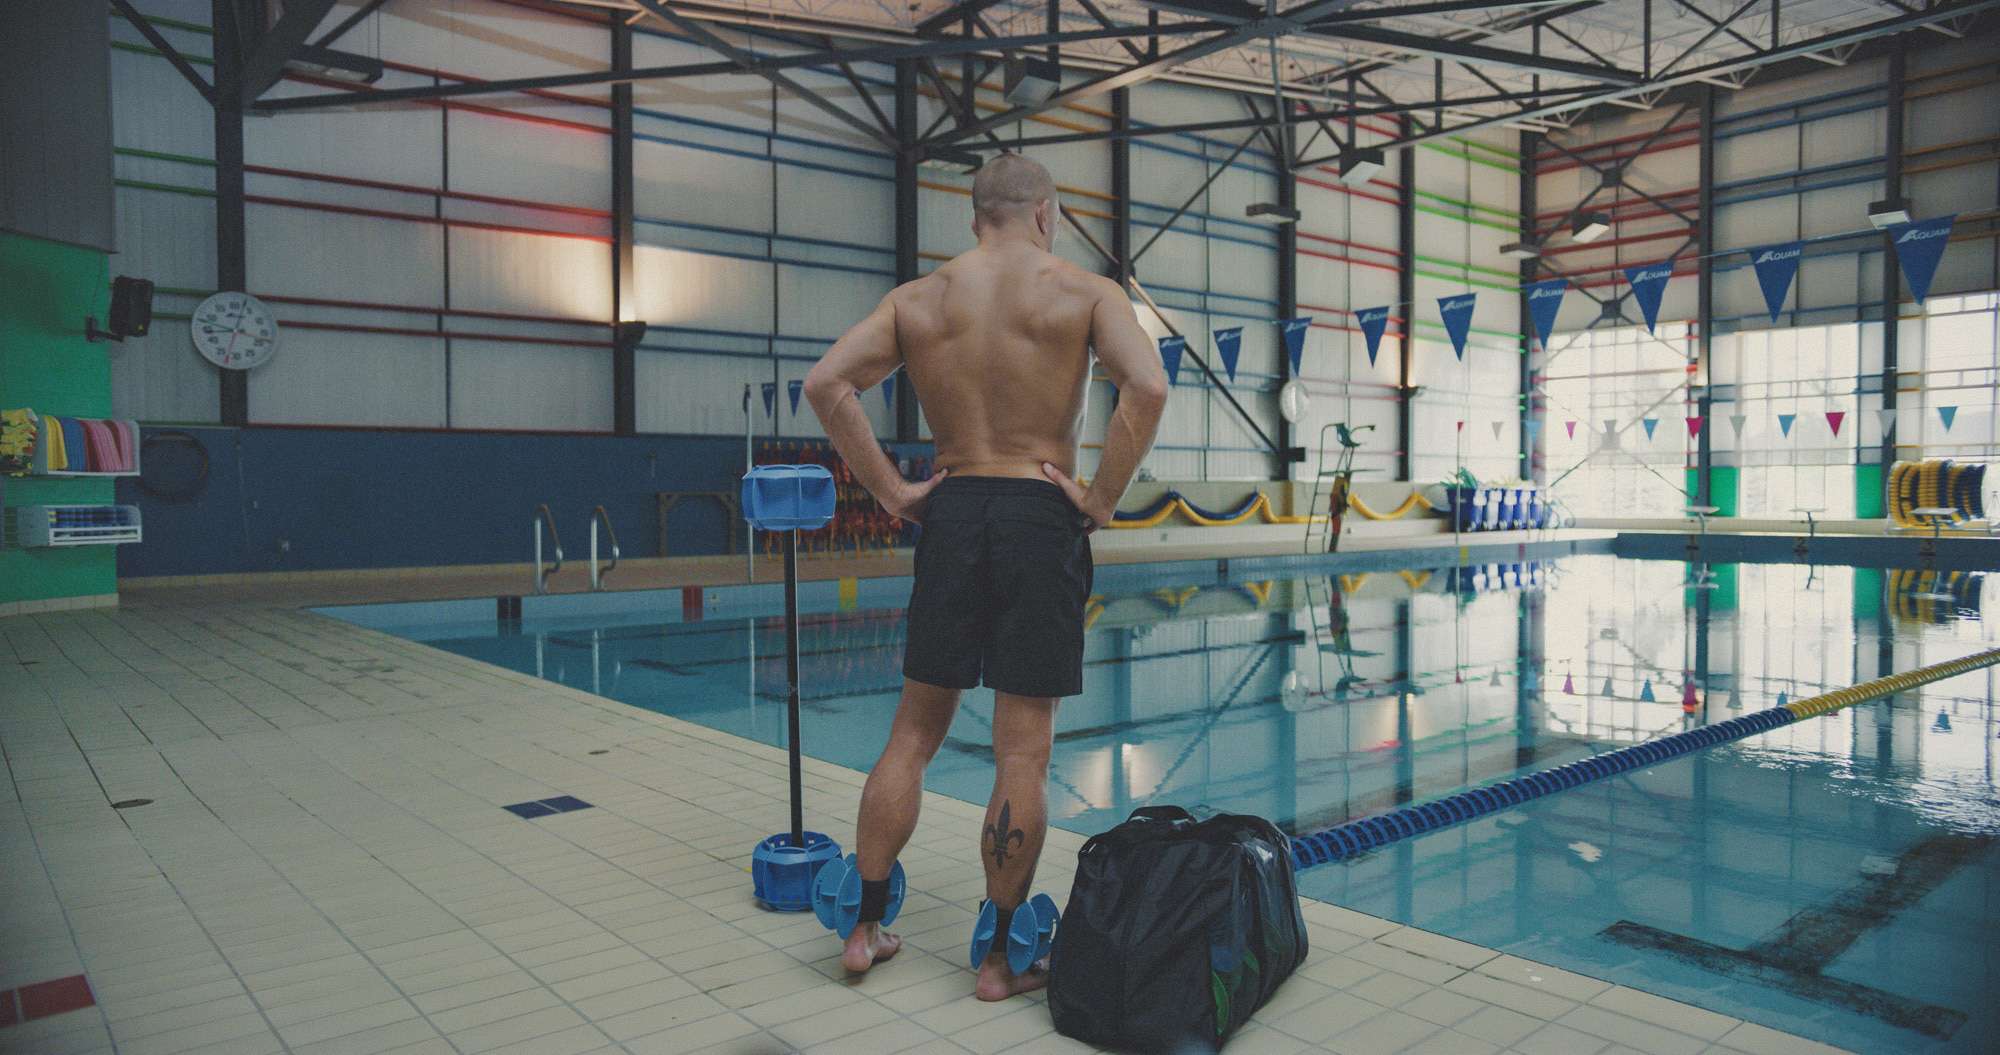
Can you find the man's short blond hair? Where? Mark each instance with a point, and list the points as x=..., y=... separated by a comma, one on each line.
x=1009, y=186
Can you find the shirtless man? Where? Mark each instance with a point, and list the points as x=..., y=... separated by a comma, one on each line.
x=997, y=343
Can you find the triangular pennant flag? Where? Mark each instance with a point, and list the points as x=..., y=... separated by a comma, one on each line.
x=1461, y=426
x=1497, y=426
x=1295, y=340
x=770, y=398
x=1887, y=417
x=1781, y=697
x=1610, y=433
x=1687, y=694
x=1570, y=427
x=1544, y=301
x=1569, y=686
x=889, y=391
x=1694, y=427
x=1229, y=345
x=1946, y=414
x=1373, y=321
x=1609, y=689
x=1834, y=418
x=1170, y=356
x=1919, y=247
x=1651, y=424
x=1649, y=284
x=1785, y=423
x=1736, y=422
x=1496, y=678
x=1776, y=265
x=1457, y=315
x=795, y=388
x=1646, y=691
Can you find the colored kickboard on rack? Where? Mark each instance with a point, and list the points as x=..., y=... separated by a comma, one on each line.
x=83, y=445
x=19, y=430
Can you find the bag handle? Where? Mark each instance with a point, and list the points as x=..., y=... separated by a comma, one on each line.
x=1172, y=816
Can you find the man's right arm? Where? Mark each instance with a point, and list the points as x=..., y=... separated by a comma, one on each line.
x=1133, y=363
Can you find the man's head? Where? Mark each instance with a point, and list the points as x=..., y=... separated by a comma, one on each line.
x=1010, y=191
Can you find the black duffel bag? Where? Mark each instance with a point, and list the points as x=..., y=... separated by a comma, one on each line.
x=1175, y=932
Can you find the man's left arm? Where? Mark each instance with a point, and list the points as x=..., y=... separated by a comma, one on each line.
x=857, y=362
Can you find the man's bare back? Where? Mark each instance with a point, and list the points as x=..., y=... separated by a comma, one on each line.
x=997, y=343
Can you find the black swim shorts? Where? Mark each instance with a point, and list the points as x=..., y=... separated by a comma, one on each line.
x=1003, y=571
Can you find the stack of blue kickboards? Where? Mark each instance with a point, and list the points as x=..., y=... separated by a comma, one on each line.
x=1176, y=930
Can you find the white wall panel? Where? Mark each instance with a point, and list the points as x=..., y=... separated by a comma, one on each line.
x=376, y=379
x=679, y=288
x=529, y=386
x=823, y=304
x=306, y=253
x=518, y=159
x=531, y=274
x=159, y=377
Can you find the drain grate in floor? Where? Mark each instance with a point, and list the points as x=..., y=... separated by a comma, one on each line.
x=547, y=807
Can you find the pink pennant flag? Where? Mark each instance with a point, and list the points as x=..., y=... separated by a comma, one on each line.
x=1569, y=687
x=1570, y=427
x=1694, y=427
x=1461, y=426
x=1834, y=418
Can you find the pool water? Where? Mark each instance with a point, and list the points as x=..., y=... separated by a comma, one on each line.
x=1836, y=878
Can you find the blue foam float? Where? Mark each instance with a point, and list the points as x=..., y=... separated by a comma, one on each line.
x=836, y=895
x=1029, y=937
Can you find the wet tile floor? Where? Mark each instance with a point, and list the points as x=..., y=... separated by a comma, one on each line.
x=323, y=864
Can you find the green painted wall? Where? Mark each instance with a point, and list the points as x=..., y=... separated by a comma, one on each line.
x=1722, y=492
x=46, y=289
x=1868, y=498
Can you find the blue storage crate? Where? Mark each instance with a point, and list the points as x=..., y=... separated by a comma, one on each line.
x=784, y=497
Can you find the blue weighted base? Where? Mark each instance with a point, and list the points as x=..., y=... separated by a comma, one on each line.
x=836, y=895
x=1029, y=937
x=782, y=874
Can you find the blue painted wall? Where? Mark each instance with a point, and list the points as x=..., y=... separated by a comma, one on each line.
x=302, y=499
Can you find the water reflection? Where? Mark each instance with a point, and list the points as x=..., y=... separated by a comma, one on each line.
x=1316, y=700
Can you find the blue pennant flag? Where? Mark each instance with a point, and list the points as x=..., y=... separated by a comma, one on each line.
x=1646, y=691
x=1785, y=423
x=1457, y=313
x=1919, y=247
x=1776, y=265
x=1170, y=356
x=1229, y=345
x=1946, y=415
x=1544, y=300
x=770, y=398
x=1651, y=424
x=1295, y=340
x=795, y=388
x=889, y=391
x=1649, y=284
x=1373, y=321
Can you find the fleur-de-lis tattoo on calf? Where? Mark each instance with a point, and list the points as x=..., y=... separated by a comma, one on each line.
x=1004, y=837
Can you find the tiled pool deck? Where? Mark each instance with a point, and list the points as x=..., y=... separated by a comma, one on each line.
x=325, y=868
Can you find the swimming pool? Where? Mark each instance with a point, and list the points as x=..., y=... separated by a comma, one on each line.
x=1835, y=878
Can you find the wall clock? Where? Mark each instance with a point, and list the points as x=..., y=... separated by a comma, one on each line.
x=235, y=331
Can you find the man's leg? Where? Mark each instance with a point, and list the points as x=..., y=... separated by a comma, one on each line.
x=889, y=804
x=1017, y=819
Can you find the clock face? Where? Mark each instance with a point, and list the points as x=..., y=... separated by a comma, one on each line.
x=234, y=331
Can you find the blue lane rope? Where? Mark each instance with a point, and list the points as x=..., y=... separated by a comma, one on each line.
x=1369, y=833
x=1357, y=837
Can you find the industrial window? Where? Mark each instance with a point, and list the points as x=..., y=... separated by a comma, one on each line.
x=1604, y=386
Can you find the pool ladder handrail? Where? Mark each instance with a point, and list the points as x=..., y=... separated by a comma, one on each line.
x=599, y=516
x=544, y=518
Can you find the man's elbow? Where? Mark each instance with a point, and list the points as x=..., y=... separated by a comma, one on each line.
x=1146, y=394
x=823, y=389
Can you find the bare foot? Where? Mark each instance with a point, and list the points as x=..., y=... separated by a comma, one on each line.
x=868, y=946
x=998, y=982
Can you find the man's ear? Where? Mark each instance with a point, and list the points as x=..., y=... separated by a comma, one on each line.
x=1045, y=217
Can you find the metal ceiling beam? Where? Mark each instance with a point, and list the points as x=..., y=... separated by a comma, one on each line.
x=952, y=16
x=1141, y=72
x=165, y=47
x=715, y=42
x=1796, y=49
x=759, y=64
x=267, y=58
x=348, y=23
